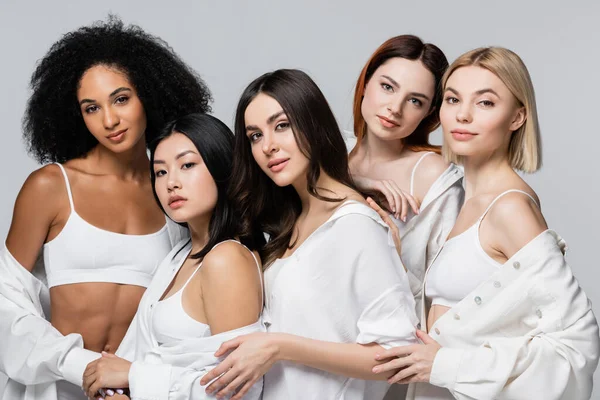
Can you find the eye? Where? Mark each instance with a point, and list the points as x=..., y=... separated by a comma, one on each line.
x=282, y=126
x=91, y=109
x=387, y=87
x=451, y=100
x=254, y=136
x=487, y=103
x=188, y=165
x=160, y=173
x=121, y=99
x=416, y=102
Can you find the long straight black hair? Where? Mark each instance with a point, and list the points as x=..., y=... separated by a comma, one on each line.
x=214, y=141
x=260, y=201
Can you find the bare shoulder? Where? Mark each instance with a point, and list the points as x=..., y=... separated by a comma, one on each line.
x=229, y=259
x=517, y=218
x=428, y=171
x=47, y=180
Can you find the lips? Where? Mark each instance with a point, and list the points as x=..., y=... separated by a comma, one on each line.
x=388, y=123
x=462, y=134
x=117, y=136
x=176, y=201
x=279, y=161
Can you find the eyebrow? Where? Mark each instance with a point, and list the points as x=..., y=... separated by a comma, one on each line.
x=177, y=157
x=396, y=84
x=269, y=121
x=479, y=92
x=114, y=92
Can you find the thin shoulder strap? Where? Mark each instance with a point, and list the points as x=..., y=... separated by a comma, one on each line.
x=412, y=176
x=260, y=273
x=68, y=186
x=502, y=194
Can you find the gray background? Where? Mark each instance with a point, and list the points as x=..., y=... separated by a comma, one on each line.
x=232, y=42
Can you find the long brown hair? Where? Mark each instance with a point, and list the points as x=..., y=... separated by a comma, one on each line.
x=260, y=201
x=411, y=48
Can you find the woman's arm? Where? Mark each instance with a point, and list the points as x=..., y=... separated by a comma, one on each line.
x=231, y=295
x=32, y=351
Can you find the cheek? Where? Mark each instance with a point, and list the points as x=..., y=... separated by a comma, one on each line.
x=161, y=192
x=369, y=102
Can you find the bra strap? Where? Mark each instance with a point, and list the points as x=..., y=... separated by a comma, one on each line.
x=64, y=172
x=502, y=194
x=412, y=175
x=260, y=273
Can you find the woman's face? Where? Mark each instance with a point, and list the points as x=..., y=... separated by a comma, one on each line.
x=183, y=184
x=479, y=113
x=397, y=98
x=272, y=141
x=111, y=109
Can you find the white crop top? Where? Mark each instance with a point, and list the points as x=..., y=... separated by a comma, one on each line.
x=461, y=265
x=85, y=253
x=171, y=323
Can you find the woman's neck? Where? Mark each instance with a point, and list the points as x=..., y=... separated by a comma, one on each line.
x=199, y=232
x=376, y=150
x=485, y=175
x=131, y=165
x=326, y=186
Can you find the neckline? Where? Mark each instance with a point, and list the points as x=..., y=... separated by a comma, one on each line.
x=345, y=203
x=145, y=235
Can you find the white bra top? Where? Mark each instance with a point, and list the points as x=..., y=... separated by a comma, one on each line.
x=462, y=265
x=171, y=323
x=85, y=253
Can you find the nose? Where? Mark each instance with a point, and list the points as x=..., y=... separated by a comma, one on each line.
x=110, y=118
x=463, y=113
x=269, y=144
x=395, y=106
x=173, y=182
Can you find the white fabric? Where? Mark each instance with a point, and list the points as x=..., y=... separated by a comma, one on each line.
x=527, y=332
x=85, y=253
x=462, y=264
x=422, y=235
x=343, y=284
x=172, y=371
x=32, y=352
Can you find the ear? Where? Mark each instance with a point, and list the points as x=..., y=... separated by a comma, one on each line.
x=519, y=119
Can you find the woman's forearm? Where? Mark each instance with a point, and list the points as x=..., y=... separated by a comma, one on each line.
x=348, y=359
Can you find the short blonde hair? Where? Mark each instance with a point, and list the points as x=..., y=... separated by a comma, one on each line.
x=525, y=149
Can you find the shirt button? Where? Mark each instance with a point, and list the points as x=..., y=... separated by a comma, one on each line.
x=538, y=312
x=477, y=300
x=437, y=331
x=456, y=317
x=516, y=265
x=497, y=284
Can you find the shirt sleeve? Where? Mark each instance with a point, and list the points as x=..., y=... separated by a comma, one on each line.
x=557, y=365
x=32, y=351
x=379, y=283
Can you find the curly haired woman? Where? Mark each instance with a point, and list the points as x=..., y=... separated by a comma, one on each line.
x=100, y=94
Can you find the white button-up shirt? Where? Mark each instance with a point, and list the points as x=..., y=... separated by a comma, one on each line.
x=528, y=332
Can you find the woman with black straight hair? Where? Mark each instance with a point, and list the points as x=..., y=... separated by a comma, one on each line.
x=207, y=290
x=336, y=293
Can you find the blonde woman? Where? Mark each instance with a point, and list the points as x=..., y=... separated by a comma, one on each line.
x=505, y=316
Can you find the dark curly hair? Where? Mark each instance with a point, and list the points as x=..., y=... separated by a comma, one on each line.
x=53, y=126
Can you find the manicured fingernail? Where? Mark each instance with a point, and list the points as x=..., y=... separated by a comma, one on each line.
x=120, y=391
x=377, y=356
x=404, y=219
x=375, y=370
x=110, y=392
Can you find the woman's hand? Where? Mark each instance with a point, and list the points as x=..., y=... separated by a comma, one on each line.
x=394, y=199
x=109, y=371
x=414, y=362
x=252, y=356
x=388, y=221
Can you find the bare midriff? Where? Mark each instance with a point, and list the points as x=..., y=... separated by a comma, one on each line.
x=100, y=312
x=435, y=312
